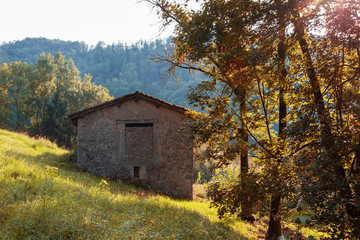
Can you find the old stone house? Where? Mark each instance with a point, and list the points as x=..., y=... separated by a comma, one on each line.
x=136, y=138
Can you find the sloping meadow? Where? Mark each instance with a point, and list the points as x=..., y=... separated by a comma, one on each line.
x=42, y=196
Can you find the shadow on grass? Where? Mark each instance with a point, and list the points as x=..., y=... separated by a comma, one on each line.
x=73, y=205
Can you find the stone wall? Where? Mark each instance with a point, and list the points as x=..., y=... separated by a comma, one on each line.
x=137, y=140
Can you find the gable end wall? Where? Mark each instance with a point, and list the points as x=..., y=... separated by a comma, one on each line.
x=102, y=147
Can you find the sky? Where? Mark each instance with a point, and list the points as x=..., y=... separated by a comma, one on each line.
x=91, y=21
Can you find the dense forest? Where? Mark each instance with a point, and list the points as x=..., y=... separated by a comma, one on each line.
x=118, y=67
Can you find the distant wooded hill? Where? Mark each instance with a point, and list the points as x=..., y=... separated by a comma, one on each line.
x=120, y=68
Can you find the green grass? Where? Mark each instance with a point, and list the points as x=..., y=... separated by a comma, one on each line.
x=42, y=196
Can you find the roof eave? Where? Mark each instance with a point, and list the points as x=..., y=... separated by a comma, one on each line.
x=117, y=101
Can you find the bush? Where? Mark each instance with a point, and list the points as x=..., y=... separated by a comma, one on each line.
x=227, y=190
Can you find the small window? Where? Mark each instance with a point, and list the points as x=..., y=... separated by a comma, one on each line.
x=137, y=172
x=139, y=124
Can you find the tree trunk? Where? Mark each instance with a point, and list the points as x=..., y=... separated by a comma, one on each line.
x=244, y=161
x=324, y=117
x=246, y=204
x=274, y=230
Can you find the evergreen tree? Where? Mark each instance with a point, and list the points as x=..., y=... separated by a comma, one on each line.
x=56, y=126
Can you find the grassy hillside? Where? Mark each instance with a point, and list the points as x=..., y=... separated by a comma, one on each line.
x=43, y=196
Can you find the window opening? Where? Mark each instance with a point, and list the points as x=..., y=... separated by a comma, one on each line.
x=136, y=172
x=139, y=124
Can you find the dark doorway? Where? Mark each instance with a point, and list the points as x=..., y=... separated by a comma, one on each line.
x=137, y=172
x=139, y=146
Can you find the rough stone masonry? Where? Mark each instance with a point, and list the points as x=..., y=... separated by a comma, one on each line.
x=136, y=138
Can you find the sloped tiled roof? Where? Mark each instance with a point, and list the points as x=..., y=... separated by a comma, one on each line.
x=136, y=95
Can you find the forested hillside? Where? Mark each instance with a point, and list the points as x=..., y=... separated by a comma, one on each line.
x=120, y=68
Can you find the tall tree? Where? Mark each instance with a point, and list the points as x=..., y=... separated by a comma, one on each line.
x=14, y=80
x=42, y=87
x=223, y=39
x=318, y=53
x=274, y=230
x=250, y=38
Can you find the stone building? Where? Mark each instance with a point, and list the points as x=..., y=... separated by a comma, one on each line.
x=136, y=138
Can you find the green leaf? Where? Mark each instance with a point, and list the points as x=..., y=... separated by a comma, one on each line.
x=301, y=218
